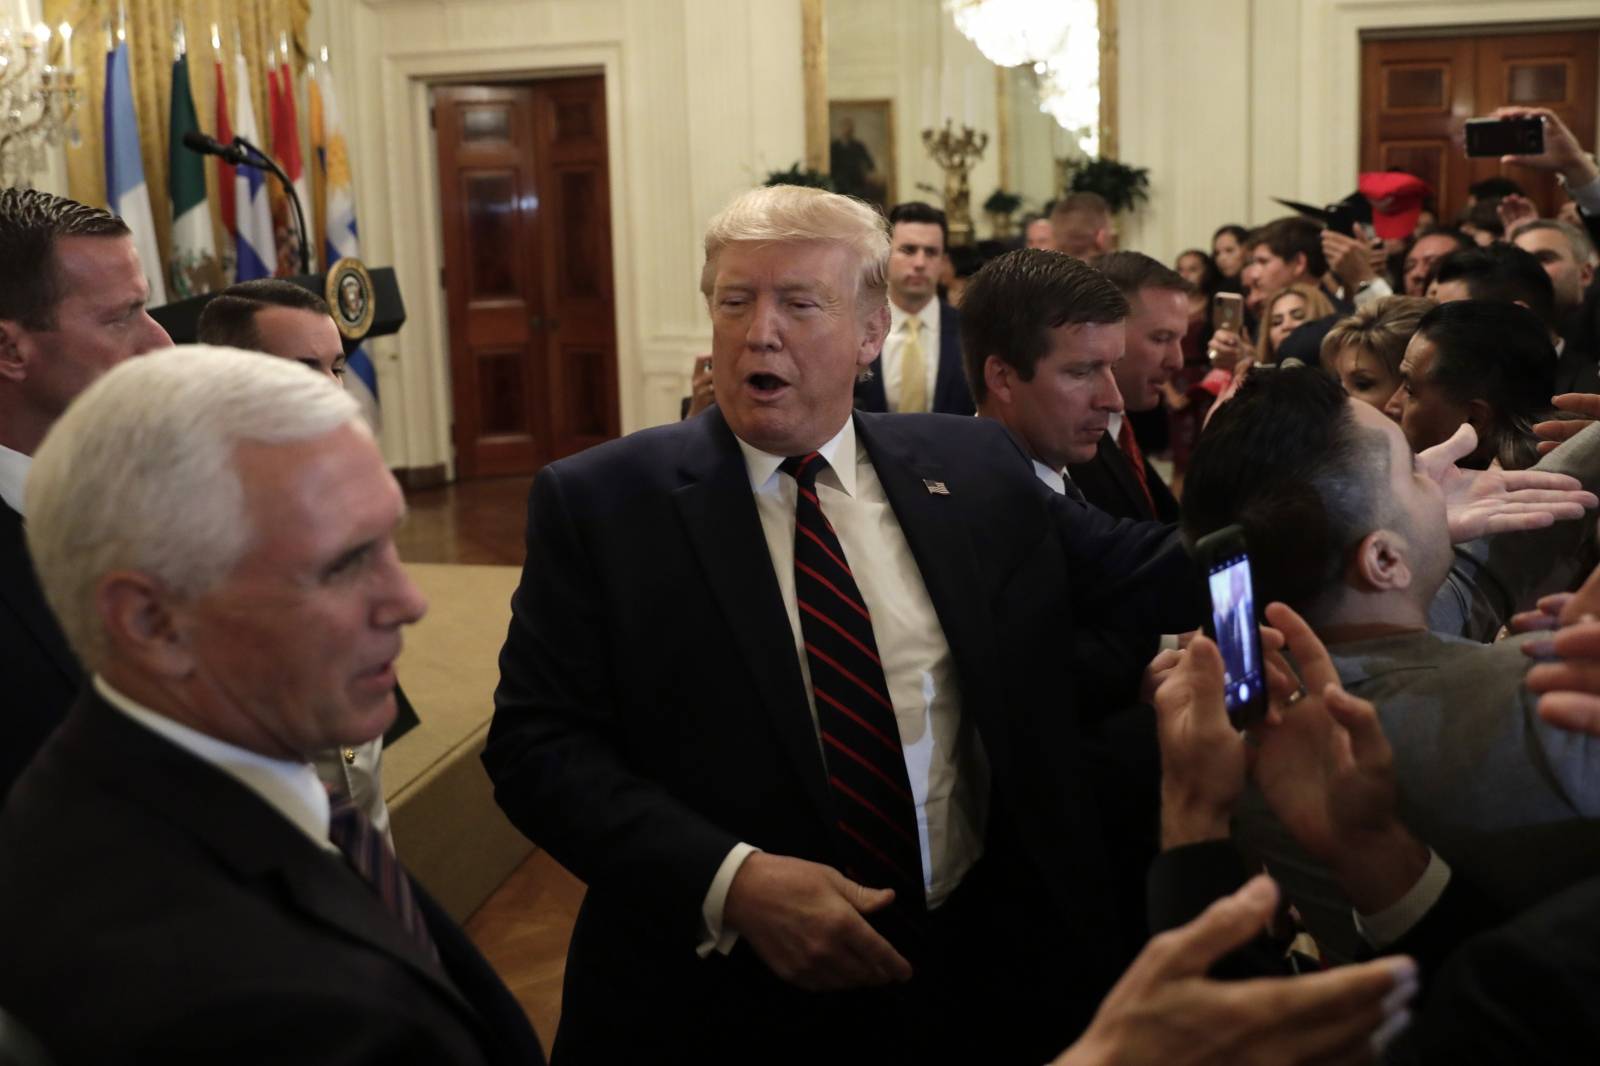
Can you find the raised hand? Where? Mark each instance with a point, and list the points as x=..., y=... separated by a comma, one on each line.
x=1562, y=152
x=1165, y=1011
x=1585, y=405
x=1482, y=502
x=1327, y=772
x=1569, y=682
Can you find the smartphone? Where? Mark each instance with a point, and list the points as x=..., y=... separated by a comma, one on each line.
x=1227, y=312
x=1225, y=568
x=1505, y=136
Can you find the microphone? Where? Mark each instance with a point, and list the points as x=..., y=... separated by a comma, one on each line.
x=199, y=142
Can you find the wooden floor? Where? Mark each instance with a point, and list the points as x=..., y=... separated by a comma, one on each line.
x=524, y=927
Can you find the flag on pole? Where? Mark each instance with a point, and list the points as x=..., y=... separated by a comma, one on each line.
x=225, y=190
x=126, y=192
x=193, y=268
x=286, y=147
x=253, y=238
x=341, y=239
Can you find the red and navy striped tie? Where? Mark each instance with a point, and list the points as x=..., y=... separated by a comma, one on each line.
x=368, y=853
x=876, y=816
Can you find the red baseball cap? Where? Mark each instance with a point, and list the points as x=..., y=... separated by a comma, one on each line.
x=1396, y=200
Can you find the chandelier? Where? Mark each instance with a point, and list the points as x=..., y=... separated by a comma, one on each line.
x=37, y=97
x=1059, y=40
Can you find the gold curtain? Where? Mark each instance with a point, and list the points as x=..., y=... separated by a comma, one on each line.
x=151, y=32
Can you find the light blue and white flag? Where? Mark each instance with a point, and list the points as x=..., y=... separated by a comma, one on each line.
x=254, y=250
x=126, y=193
x=333, y=161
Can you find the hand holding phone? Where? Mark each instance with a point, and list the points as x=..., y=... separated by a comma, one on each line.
x=1225, y=569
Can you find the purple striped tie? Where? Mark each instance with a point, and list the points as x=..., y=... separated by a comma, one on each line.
x=875, y=814
x=368, y=854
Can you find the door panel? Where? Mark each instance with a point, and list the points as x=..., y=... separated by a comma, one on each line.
x=526, y=205
x=1418, y=94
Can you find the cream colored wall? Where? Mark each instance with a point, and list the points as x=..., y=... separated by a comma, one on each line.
x=703, y=97
x=1230, y=102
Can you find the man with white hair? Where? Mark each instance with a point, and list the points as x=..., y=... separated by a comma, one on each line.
x=214, y=531
x=783, y=687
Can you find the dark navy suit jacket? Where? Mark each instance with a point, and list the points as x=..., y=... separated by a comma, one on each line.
x=951, y=395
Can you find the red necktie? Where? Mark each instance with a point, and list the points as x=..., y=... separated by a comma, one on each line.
x=1130, y=448
x=368, y=854
x=876, y=815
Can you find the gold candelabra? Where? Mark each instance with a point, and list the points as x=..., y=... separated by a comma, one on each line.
x=37, y=99
x=956, y=152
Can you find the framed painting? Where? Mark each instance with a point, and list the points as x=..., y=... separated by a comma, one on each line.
x=861, y=150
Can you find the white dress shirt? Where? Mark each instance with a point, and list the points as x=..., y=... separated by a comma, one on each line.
x=895, y=342
x=290, y=788
x=13, y=477
x=949, y=780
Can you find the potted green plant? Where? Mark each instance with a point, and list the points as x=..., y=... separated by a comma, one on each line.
x=1122, y=186
x=799, y=175
x=1001, y=205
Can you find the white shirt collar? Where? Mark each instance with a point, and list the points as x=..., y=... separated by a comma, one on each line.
x=1054, y=478
x=929, y=316
x=290, y=788
x=1114, y=426
x=840, y=452
x=13, y=477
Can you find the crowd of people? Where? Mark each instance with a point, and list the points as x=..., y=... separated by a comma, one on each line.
x=872, y=701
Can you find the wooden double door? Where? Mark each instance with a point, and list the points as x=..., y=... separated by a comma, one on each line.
x=525, y=196
x=1418, y=92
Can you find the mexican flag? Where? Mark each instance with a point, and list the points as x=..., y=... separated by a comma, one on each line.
x=194, y=267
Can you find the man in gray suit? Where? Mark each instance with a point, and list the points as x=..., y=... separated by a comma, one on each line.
x=1345, y=527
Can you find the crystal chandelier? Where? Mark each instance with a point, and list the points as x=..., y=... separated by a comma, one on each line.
x=37, y=98
x=1059, y=39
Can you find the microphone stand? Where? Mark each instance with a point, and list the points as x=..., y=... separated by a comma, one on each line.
x=262, y=161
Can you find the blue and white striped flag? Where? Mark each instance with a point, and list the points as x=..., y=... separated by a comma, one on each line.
x=126, y=193
x=253, y=243
x=333, y=160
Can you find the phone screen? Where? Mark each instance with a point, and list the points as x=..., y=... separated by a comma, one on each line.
x=1233, y=620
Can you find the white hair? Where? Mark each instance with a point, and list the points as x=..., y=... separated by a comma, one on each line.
x=796, y=213
x=139, y=473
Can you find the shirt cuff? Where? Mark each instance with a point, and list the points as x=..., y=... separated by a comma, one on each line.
x=1374, y=290
x=1587, y=196
x=716, y=938
x=1395, y=921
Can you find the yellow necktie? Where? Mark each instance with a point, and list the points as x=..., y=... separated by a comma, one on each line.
x=913, y=369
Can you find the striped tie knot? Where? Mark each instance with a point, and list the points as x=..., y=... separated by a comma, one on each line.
x=804, y=468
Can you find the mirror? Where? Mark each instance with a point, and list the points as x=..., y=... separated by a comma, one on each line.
x=881, y=72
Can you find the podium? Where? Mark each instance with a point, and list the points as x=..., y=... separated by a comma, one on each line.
x=181, y=319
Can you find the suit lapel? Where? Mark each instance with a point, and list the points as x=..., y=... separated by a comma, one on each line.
x=20, y=593
x=719, y=514
x=933, y=524
x=242, y=831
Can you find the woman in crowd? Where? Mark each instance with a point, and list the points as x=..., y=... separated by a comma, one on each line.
x=1227, y=251
x=1286, y=311
x=1364, y=350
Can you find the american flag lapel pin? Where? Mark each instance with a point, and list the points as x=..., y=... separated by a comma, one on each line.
x=935, y=488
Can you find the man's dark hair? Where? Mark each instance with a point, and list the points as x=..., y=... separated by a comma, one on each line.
x=1287, y=460
x=1485, y=215
x=1132, y=271
x=1289, y=237
x=1494, y=188
x=230, y=317
x=1502, y=273
x=30, y=224
x=917, y=211
x=1012, y=304
x=1500, y=353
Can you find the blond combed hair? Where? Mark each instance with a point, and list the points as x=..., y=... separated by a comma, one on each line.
x=1383, y=328
x=778, y=213
x=139, y=474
